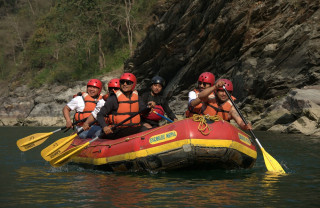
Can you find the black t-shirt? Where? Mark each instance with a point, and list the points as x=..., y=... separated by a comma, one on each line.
x=159, y=100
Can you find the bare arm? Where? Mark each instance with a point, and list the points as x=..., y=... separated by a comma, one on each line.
x=206, y=92
x=203, y=95
x=66, y=113
x=235, y=116
x=195, y=102
x=86, y=125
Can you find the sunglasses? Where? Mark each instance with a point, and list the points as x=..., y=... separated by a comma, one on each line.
x=204, y=83
x=128, y=82
x=113, y=88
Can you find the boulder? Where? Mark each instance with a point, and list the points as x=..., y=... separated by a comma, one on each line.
x=302, y=125
x=298, y=112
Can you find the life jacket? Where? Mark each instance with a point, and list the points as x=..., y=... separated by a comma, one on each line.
x=197, y=109
x=127, y=107
x=212, y=108
x=90, y=104
x=105, y=97
x=153, y=116
x=78, y=94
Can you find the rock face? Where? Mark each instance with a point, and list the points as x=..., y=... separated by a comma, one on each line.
x=297, y=112
x=41, y=107
x=38, y=107
x=269, y=49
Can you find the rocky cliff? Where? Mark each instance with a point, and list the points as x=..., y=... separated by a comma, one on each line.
x=23, y=106
x=269, y=49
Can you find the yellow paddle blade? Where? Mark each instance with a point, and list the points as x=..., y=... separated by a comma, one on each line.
x=56, y=148
x=67, y=155
x=32, y=141
x=271, y=163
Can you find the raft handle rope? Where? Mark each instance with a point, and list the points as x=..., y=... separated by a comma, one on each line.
x=198, y=118
x=130, y=138
x=202, y=119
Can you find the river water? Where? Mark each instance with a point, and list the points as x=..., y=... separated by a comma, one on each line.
x=28, y=181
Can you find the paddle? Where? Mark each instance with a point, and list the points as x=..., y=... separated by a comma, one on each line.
x=271, y=164
x=56, y=148
x=66, y=156
x=34, y=140
x=168, y=119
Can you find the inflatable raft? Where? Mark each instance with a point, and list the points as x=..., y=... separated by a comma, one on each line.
x=183, y=145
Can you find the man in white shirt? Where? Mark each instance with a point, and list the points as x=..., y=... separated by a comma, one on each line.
x=205, y=80
x=84, y=105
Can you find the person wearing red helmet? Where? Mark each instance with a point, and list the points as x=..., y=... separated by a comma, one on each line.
x=120, y=106
x=205, y=80
x=157, y=102
x=113, y=87
x=84, y=104
x=221, y=105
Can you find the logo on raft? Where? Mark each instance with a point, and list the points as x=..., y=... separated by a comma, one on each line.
x=170, y=135
x=244, y=139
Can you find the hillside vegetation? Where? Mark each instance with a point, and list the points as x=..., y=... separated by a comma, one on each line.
x=65, y=40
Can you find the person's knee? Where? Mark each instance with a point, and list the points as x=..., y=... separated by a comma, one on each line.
x=143, y=128
x=83, y=135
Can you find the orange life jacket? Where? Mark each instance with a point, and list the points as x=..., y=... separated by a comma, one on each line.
x=212, y=108
x=105, y=97
x=127, y=107
x=197, y=109
x=90, y=104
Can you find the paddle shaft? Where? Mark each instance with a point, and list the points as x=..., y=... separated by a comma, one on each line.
x=271, y=163
x=74, y=123
x=168, y=119
x=35, y=140
x=244, y=120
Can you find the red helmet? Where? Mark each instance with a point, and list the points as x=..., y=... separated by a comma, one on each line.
x=130, y=77
x=114, y=83
x=96, y=83
x=207, y=77
x=228, y=85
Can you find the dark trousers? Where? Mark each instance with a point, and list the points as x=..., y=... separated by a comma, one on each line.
x=123, y=132
x=154, y=124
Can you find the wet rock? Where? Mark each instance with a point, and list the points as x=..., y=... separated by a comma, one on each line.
x=302, y=125
x=278, y=128
x=298, y=112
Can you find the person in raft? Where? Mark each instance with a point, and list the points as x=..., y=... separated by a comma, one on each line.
x=205, y=80
x=84, y=104
x=120, y=106
x=221, y=105
x=157, y=103
x=113, y=87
